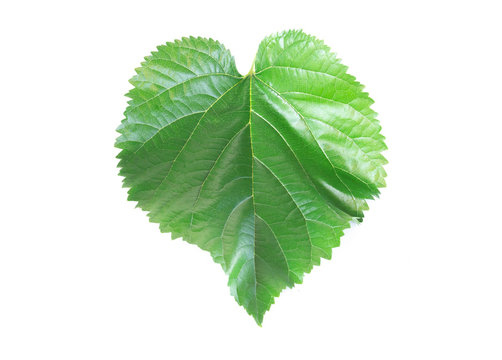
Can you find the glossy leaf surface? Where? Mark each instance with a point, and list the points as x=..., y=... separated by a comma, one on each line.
x=264, y=171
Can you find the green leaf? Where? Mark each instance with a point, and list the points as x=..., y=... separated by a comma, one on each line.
x=264, y=171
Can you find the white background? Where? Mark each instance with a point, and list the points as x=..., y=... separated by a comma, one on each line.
x=84, y=275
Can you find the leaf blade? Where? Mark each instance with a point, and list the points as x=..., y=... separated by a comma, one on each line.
x=263, y=171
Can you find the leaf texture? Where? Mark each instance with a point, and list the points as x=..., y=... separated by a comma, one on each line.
x=264, y=171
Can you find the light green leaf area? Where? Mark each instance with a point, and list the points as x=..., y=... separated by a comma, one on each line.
x=264, y=171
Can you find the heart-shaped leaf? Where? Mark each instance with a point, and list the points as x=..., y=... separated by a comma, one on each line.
x=264, y=171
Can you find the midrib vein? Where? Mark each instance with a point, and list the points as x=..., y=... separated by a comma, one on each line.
x=252, y=187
